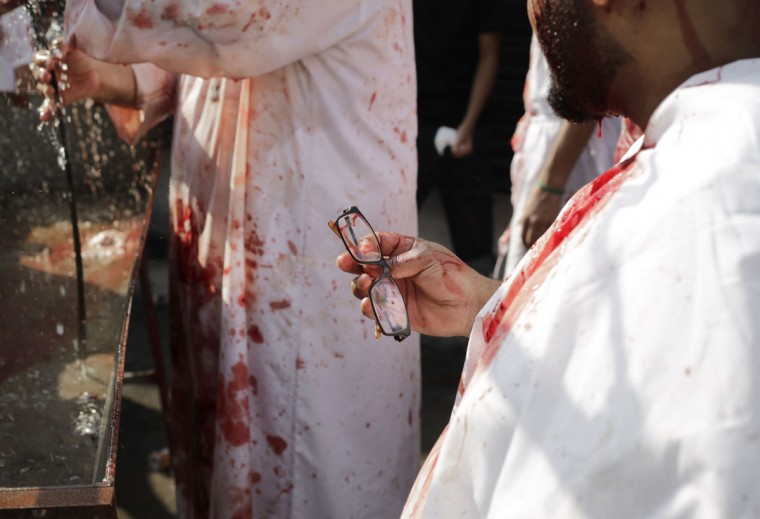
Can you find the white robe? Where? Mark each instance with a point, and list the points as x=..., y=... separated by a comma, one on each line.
x=615, y=374
x=284, y=404
x=534, y=139
x=15, y=46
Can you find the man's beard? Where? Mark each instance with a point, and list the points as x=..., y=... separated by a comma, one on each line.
x=583, y=59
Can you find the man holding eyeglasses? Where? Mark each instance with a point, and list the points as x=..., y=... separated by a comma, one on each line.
x=614, y=374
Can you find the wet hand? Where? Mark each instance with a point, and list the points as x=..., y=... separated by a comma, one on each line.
x=75, y=73
x=442, y=294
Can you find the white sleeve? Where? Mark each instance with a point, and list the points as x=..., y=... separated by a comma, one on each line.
x=213, y=37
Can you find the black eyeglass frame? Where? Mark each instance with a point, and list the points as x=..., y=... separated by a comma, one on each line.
x=334, y=225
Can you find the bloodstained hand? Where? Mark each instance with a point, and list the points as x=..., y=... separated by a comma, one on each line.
x=442, y=294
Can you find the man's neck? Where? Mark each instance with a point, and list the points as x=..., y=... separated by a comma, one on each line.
x=696, y=45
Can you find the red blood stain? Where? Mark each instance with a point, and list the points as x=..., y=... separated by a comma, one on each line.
x=233, y=406
x=280, y=305
x=217, y=9
x=142, y=20
x=264, y=13
x=338, y=355
x=277, y=444
x=427, y=471
x=410, y=417
x=236, y=224
x=171, y=12
x=254, y=333
x=254, y=383
x=300, y=363
x=253, y=243
x=372, y=100
x=254, y=477
x=292, y=247
x=588, y=201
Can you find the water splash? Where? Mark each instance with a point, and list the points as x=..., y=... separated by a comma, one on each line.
x=44, y=16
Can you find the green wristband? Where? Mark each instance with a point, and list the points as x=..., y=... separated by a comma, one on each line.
x=551, y=190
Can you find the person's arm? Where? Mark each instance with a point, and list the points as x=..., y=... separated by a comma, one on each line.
x=482, y=86
x=88, y=78
x=214, y=37
x=545, y=201
x=137, y=97
x=442, y=294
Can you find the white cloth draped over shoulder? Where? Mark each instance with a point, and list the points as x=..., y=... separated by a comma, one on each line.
x=284, y=404
x=615, y=374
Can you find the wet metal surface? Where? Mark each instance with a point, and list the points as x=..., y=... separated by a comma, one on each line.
x=58, y=401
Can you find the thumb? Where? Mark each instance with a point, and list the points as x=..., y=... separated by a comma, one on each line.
x=410, y=263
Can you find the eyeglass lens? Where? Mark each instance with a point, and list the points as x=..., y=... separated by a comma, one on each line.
x=359, y=238
x=389, y=306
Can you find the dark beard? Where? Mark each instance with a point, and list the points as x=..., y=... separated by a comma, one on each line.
x=583, y=59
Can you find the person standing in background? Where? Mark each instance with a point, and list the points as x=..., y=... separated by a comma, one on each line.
x=457, y=54
x=553, y=159
x=283, y=403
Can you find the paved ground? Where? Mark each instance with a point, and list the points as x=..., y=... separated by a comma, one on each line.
x=145, y=494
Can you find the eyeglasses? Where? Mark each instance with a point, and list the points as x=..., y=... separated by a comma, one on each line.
x=364, y=247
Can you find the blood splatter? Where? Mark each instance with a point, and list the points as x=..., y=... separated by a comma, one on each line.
x=142, y=20
x=542, y=258
x=280, y=305
x=254, y=333
x=233, y=406
x=277, y=444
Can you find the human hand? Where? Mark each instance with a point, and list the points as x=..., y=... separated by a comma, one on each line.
x=76, y=75
x=542, y=209
x=464, y=143
x=442, y=294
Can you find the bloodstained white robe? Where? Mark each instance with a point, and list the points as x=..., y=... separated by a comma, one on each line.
x=615, y=374
x=283, y=402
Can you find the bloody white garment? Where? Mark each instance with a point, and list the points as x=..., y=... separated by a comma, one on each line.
x=15, y=46
x=284, y=404
x=615, y=373
x=534, y=139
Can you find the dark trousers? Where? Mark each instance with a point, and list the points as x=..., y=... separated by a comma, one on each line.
x=465, y=187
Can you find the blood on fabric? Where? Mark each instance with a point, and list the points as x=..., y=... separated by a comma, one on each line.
x=599, y=134
x=544, y=255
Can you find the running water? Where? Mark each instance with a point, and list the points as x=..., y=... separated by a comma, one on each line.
x=46, y=43
x=42, y=289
